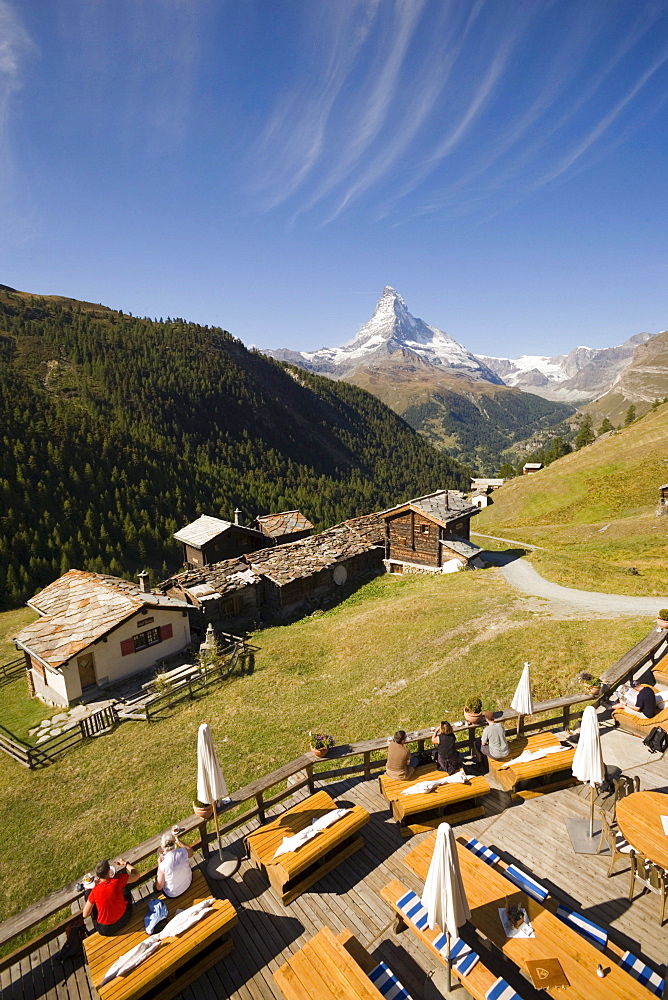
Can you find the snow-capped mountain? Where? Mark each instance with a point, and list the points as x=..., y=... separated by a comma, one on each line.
x=583, y=373
x=391, y=330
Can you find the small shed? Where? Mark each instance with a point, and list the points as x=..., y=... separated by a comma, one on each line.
x=95, y=629
x=481, y=498
x=288, y=526
x=226, y=594
x=529, y=468
x=210, y=540
x=424, y=535
x=663, y=495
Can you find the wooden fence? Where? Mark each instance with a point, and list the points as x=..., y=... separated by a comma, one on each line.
x=41, y=754
x=241, y=658
x=10, y=671
x=262, y=794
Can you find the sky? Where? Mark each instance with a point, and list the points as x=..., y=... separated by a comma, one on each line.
x=269, y=167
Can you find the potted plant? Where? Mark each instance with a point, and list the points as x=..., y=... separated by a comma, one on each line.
x=591, y=683
x=662, y=619
x=202, y=809
x=473, y=710
x=321, y=743
x=515, y=915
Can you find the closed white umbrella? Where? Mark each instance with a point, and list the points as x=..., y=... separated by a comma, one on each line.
x=588, y=765
x=210, y=788
x=522, y=702
x=444, y=896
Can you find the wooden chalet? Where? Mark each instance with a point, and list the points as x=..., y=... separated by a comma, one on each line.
x=488, y=485
x=663, y=495
x=210, y=540
x=96, y=629
x=529, y=468
x=430, y=534
x=288, y=526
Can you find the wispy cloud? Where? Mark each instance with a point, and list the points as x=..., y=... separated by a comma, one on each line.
x=15, y=45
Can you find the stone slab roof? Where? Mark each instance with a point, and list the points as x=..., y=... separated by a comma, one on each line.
x=288, y=522
x=441, y=506
x=205, y=529
x=219, y=579
x=80, y=608
x=462, y=546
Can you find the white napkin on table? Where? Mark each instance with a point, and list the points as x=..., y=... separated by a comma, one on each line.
x=184, y=919
x=534, y=755
x=317, y=825
x=664, y=822
x=131, y=959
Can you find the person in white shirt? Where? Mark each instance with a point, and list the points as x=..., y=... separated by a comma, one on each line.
x=174, y=871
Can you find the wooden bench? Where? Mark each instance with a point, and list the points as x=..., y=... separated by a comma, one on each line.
x=440, y=802
x=292, y=873
x=329, y=968
x=542, y=775
x=638, y=725
x=177, y=963
x=478, y=980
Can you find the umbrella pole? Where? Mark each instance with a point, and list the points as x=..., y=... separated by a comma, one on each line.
x=447, y=935
x=591, y=811
x=215, y=818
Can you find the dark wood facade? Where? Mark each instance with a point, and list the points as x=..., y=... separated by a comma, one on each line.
x=234, y=541
x=414, y=537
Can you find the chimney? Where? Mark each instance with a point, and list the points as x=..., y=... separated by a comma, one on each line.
x=144, y=585
x=236, y=515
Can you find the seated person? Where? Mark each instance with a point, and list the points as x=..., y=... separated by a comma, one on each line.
x=400, y=764
x=174, y=871
x=493, y=743
x=109, y=901
x=645, y=706
x=446, y=755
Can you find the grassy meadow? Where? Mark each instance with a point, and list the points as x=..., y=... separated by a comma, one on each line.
x=593, y=511
x=399, y=652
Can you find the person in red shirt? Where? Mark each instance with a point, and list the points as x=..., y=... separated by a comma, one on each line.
x=109, y=901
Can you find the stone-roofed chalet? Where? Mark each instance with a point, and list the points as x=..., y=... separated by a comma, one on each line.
x=288, y=526
x=210, y=540
x=430, y=534
x=227, y=594
x=96, y=629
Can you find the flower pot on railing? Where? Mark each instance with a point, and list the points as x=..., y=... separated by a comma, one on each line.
x=662, y=623
x=202, y=810
x=473, y=718
x=319, y=752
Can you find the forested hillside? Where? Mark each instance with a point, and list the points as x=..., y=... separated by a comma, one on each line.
x=118, y=430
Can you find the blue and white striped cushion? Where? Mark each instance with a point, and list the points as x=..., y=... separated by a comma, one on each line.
x=387, y=983
x=584, y=926
x=637, y=968
x=502, y=991
x=463, y=956
x=480, y=851
x=412, y=908
x=527, y=883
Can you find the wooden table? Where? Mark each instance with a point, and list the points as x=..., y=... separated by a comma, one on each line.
x=176, y=963
x=639, y=818
x=554, y=763
x=488, y=890
x=324, y=969
x=292, y=873
x=443, y=799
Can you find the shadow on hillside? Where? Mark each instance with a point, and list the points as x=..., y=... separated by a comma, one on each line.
x=501, y=558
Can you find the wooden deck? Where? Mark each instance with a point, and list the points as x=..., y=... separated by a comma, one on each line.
x=531, y=832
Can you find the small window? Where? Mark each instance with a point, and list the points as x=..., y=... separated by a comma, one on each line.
x=424, y=529
x=148, y=638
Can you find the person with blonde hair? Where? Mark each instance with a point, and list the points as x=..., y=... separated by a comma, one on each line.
x=174, y=871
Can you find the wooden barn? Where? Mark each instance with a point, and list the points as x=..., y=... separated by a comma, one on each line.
x=663, y=495
x=227, y=594
x=430, y=534
x=211, y=540
x=280, y=529
x=529, y=468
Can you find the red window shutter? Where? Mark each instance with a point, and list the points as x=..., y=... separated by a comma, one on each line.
x=127, y=646
x=166, y=632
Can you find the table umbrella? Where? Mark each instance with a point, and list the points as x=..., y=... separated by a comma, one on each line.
x=522, y=702
x=210, y=788
x=444, y=896
x=588, y=765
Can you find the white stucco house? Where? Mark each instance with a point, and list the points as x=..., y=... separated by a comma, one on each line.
x=94, y=630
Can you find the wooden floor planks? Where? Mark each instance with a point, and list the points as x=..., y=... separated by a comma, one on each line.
x=532, y=833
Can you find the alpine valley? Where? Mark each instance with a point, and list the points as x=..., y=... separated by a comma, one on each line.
x=471, y=406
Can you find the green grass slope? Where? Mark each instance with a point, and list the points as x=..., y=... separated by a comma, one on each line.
x=594, y=512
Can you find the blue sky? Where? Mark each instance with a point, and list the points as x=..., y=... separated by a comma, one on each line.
x=270, y=166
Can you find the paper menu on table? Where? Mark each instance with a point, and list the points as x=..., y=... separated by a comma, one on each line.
x=664, y=820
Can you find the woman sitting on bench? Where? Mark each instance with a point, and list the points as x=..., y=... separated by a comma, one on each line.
x=109, y=901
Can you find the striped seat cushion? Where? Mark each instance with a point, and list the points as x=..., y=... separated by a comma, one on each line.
x=502, y=991
x=464, y=958
x=387, y=983
x=480, y=851
x=411, y=906
x=637, y=968
x=526, y=883
x=584, y=926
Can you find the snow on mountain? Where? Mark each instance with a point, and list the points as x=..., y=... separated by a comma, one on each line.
x=391, y=329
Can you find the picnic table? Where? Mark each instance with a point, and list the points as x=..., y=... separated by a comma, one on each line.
x=442, y=801
x=324, y=968
x=292, y=873
x=639, y=819
x=533, y=771
x=488, y=891
x=176, y=963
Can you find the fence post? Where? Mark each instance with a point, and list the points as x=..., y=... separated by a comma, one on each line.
x=259, y=798
x=203, y=833
x=309, y=775
x=520, y=725
x=567, y=717
x=367, y=763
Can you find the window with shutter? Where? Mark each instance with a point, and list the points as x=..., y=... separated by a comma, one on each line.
x=166, y=631
x=127, y=646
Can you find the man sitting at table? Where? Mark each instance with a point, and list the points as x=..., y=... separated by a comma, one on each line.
x=493, y=744
x=400, y=765
x=110, y=901
x=645, y=702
